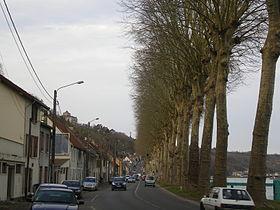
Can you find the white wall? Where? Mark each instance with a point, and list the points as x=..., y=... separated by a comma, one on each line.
x=3, y=188
x=12, y=114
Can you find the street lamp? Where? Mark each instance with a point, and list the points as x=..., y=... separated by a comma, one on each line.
x=54, y=126
x=87, y=153
x=97, y=118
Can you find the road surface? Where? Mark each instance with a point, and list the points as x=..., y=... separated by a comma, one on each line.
x=137, y=197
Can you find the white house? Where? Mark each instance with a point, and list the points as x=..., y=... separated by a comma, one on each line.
x=69, y=154
x=19, y=124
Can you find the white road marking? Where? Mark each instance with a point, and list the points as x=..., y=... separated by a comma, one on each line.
x=142, y=199
x=94, y=198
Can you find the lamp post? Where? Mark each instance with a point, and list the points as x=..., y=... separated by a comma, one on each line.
x=54, y=126
x=87, y=153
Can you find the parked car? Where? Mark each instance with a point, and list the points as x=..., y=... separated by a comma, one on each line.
x=46, y=185
x=55, y=198
x=150, y=181
x=136, y=177
x=127, y=177
x=131, y=179
x=118, y=183
x=227, y=198
x=74, y=185
x=90, y=183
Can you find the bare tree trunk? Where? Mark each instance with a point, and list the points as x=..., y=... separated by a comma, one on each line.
x=180, y=130
x=193, y=171
x=165, y=159
x=185, y=148
x=171, y=153
x=270, y=55
x=221, y=110
x=205, y=152
x=173, y=156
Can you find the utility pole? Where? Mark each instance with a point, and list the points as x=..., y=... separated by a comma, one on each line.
x=115, y=158
x=53, y=137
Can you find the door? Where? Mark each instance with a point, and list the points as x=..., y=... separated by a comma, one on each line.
x=11, y=179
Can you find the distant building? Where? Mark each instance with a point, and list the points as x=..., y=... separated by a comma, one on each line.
x=68, y=117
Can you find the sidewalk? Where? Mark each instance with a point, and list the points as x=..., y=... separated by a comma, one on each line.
x=14, y=205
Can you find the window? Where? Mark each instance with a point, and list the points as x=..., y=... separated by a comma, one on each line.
x=61, y=144
x=40, y=173
x=235, y=194
x=47, y=142
x=4, y=168
x=42, y=141
x=18, y=169
x=34, y=113
x=215, y=193
x=34, y=146
x=46, y=174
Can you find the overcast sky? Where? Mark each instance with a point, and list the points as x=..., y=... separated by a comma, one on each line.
x=71, y=40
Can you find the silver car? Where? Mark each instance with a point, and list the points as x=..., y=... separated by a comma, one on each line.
x=90, y=183
x=150, y=181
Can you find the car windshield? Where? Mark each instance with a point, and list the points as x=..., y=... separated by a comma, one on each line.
x=118, y=179
x=55, y=196
x=150, y=178
x=72, y=183
x=89, y=180
x=234, y=194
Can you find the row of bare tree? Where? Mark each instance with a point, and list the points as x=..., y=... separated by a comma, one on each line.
x=188, y=55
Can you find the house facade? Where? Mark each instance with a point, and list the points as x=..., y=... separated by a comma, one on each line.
x=20, y=124
x=70, y=154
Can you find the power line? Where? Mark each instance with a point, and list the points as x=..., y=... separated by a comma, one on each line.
x=24, y=50
x=21, y=54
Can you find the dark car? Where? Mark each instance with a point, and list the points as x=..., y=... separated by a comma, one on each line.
x=118, y=183
x=74, y=185
x=55, y=198
x=43, y=186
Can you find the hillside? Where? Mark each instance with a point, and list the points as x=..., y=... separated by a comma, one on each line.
x=239, y=161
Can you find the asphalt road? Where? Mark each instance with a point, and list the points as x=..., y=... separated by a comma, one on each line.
x=137, y=197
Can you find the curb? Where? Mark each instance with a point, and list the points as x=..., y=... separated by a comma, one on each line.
x=178, y=197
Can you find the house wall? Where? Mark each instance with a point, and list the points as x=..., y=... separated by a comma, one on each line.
x=3, y=188
x=12, y=135
x=12, y=114
x=35, y=131
x=45, y=138
x=76, y=168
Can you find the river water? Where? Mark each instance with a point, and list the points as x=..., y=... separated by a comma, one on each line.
x=269, y=189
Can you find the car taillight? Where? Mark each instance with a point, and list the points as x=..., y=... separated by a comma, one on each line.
x=223, y=205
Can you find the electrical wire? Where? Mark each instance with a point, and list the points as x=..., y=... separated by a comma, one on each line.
x=21, y=54
x=24, y=50
x=3, y=66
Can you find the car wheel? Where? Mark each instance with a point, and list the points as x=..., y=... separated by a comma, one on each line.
x=112, y=189
x=153, y=185
x=201, y=206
